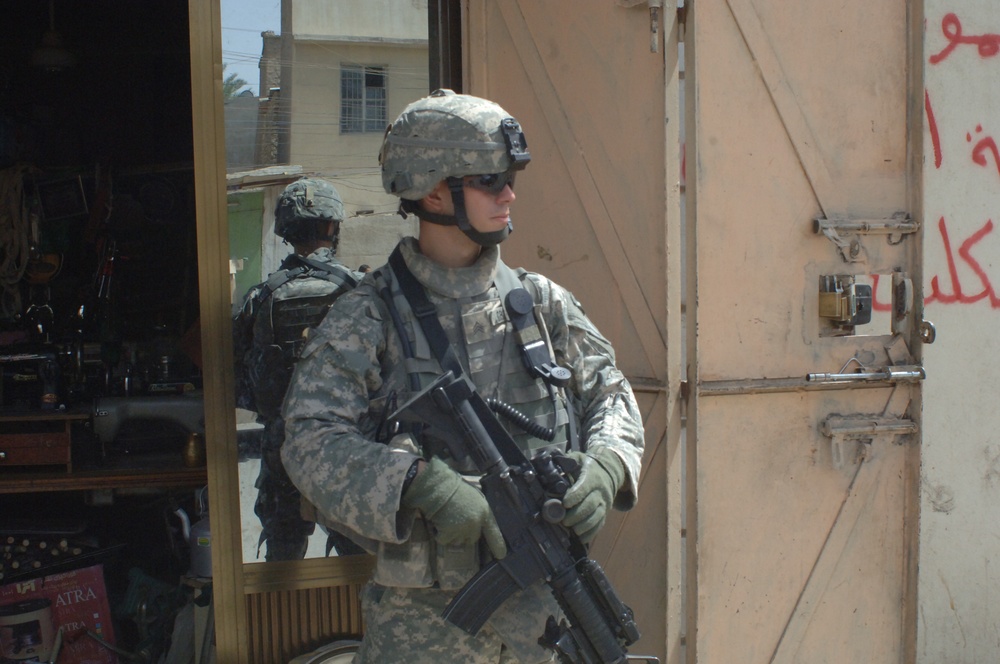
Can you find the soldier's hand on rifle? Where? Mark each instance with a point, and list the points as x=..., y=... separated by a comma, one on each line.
x=458, y=510
x=587, y=502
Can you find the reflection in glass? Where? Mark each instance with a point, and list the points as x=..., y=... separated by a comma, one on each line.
x=309, y=94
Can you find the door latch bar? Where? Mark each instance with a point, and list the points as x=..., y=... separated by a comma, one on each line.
x=898, y=374
x=892, y=226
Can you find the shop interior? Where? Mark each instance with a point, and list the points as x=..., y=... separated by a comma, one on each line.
x=102, y=456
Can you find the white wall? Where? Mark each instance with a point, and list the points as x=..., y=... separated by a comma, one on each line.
x=350, y=161
x=959, y=582
x=386, y=19
x=385, y=33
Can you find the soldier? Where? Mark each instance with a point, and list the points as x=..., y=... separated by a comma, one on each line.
x=269, y=327
x=451, y=159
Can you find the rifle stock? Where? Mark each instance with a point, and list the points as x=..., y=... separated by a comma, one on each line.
x=525, y=497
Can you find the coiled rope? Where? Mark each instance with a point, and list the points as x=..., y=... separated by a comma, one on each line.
x=15, y=232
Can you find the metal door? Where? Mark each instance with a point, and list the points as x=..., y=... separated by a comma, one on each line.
x=803, y=430
x=246, y=213
x=594, y=84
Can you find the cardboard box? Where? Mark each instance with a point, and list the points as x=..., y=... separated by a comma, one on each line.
x=32, y=611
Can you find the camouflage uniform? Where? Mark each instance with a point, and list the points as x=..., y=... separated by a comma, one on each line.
x=357, y=368
x=267, y=338
x=354, y=364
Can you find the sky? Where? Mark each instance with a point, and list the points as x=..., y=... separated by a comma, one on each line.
x=242, y=23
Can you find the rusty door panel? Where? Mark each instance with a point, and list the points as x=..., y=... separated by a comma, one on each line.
x=796, y=558
x=590, y=210
x=798, y=112
x=592, y=213
x=779, y=144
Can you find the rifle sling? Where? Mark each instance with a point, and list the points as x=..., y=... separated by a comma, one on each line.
x=426, y=315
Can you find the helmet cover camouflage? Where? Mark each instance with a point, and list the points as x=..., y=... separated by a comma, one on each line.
x=448, y=135
x=304, y=207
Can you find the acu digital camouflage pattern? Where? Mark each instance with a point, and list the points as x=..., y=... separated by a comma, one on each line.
x=353, y=371
x=268, y=330
x=405, y=625
x=265, y=351
x=440, y=136
x=301, y=205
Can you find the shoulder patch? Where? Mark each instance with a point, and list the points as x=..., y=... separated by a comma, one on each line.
x=538, y=286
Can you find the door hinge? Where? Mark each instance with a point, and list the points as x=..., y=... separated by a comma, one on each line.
x=654, y=19
x=654, y=25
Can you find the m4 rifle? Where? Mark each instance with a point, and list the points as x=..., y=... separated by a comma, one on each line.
x=525, y=498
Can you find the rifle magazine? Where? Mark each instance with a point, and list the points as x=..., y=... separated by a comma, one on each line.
x=476, y=601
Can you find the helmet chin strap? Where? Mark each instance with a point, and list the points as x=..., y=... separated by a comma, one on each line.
x=491, y=239
x=460, y=218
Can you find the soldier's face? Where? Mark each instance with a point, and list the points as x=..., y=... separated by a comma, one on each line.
x=487, y=211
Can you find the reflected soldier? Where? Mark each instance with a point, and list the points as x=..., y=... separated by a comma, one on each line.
x=269, y=331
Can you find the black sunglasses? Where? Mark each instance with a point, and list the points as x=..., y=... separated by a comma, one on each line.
x=492, y=183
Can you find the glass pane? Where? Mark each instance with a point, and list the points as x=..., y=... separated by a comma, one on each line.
x=375, y=119
x=351, y=99
x=315, y=105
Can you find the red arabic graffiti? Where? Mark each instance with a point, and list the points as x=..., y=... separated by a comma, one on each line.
x=948, y=288
x=957, y=294
x=932, y=124
x=988, y=45
x=985, y=145
x=984, y=148
x=964, y=252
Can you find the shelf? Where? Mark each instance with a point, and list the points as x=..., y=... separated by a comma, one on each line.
x=154, y=474
x=62, y=473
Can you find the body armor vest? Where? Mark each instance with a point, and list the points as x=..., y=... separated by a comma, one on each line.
x=293, y=300
x=493, y=354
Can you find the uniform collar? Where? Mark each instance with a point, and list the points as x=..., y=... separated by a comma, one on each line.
x=451, y=282
x=325, y=254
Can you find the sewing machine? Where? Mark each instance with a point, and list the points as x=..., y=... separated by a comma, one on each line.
x=30, y=379
x=142, y=424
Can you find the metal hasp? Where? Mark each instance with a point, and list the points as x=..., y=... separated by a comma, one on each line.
x=844, y=232
x=848, y=433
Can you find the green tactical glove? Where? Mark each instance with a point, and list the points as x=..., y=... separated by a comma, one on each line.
x=587, y=502
x=458, y=510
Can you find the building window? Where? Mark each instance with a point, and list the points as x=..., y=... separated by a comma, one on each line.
x=362, y=99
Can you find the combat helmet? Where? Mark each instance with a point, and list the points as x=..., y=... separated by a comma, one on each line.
x=304, y=210
x=446, y=136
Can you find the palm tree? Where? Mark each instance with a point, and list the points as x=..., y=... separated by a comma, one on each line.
x=231, y=84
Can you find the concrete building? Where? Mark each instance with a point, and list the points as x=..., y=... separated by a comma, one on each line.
x=335, y=76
